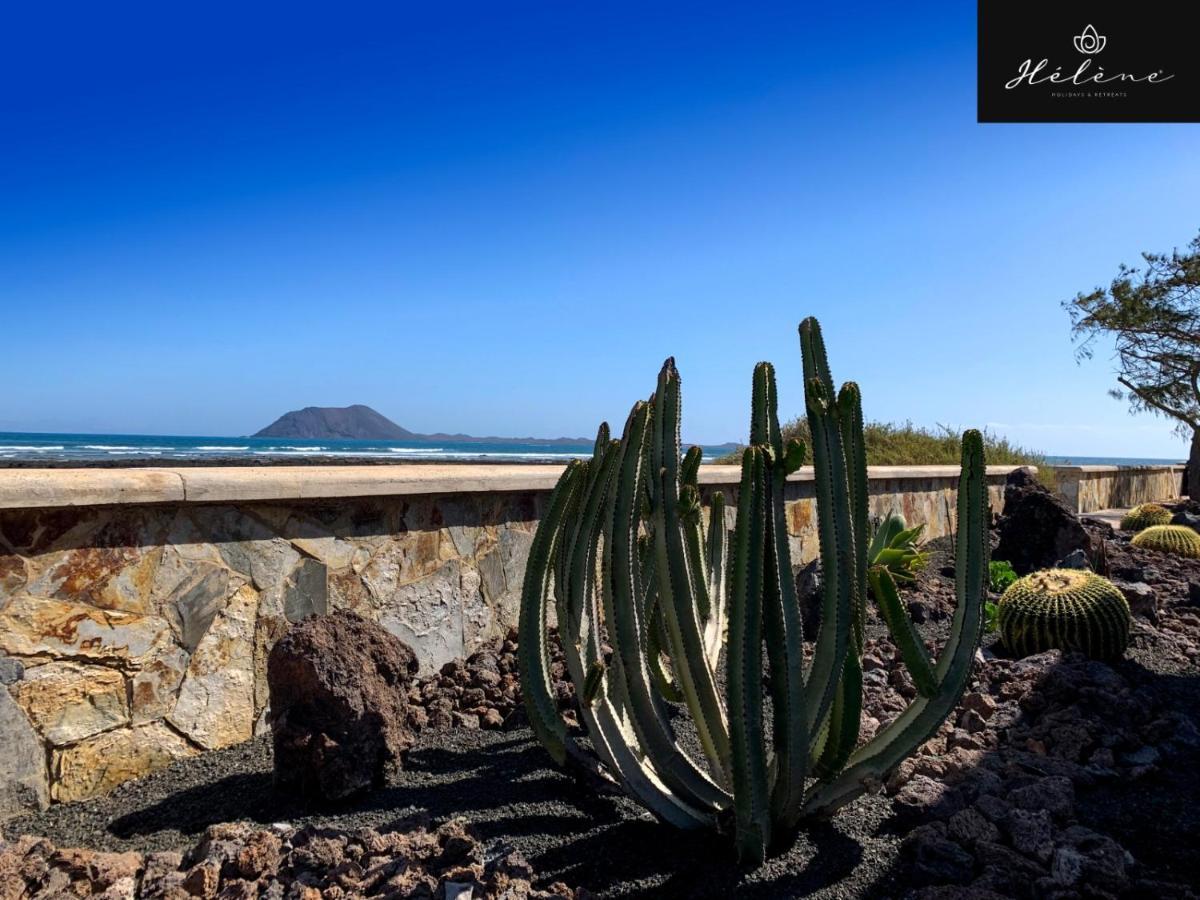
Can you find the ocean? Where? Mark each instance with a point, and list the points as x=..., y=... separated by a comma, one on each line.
x=114, y=449
x=1111, y=461
x=25, y=449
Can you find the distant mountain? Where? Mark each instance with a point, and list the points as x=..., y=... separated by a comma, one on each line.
x=337, y=422
x=361, y=423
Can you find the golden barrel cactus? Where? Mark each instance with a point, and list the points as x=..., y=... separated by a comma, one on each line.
x=1145, y=516
x=1178, y=540
x=1065, y=609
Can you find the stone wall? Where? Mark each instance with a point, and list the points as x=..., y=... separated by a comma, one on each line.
x=135, y=632
x=1092, y=488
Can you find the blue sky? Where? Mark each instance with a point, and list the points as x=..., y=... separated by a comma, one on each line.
x=500, y=218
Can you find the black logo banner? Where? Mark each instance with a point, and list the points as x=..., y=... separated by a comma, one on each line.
x=1072, y=61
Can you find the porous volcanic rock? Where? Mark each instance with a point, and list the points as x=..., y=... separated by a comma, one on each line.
x=1037, y=528
x=339, y=705
x=241, y=861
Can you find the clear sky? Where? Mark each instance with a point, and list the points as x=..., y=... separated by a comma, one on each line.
x=500, y=217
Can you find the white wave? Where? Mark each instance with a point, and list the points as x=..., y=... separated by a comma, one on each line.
x=108, y=447
x=134, y=453
x=34, y=449
x=512, y=454
x=320, y=452
x=207, y=447
x=416, y=449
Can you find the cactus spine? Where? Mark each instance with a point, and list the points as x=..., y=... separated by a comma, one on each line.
x=1067, y=609
x=1178, y=540
x=623, y=555
x=1145, y=516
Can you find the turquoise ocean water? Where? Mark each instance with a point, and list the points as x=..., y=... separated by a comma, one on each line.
x=26, y=448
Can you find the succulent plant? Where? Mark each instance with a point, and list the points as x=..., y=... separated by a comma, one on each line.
x=1065, y=609
x=623, y=554
x=897, y=547
x=1144, y=516
x=1178, y=540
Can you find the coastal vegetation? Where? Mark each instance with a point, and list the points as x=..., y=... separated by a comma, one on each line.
x=906, y=444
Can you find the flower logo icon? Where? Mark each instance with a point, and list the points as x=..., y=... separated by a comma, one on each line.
x=1090, y=41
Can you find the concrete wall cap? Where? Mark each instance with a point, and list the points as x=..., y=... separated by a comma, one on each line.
x=1107, y=470
x=35, y=488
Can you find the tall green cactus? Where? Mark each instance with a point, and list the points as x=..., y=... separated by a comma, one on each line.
x=622, y=553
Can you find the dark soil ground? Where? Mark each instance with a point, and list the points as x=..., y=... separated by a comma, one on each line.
x=1058, y=777
x=507, y=786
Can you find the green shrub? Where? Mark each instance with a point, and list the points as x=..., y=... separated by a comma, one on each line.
x=891, y=444
x=1000, y=575
x=991, y=617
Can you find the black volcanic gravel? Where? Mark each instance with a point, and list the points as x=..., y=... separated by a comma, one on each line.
x=513, y=796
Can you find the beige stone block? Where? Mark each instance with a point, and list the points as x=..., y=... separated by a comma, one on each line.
x=98, y=764
x=428, y=614
x=39, y=628
x=153, y=689
x=68, y=702
x=215, y=706
x=23, y=779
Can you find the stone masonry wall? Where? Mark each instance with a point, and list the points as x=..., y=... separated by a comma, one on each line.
x=131, y=636
x=1091, y=488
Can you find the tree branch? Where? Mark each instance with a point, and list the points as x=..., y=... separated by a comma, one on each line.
x=1146, y=398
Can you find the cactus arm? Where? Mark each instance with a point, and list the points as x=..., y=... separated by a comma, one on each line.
x=844, y=719
x=833, y=527
x=693, y=533
x=652, y=623
x=612, y=739
x=667, y=688
x=718, y=578
x=678, y=772
x=782, y=626
x=850, y=421
x=764, y=412
x=532, y=651
x=581, y=623
x=677, y=584
x=603, y=439
x=689, y=469
x=744, y=688
x=846, y=711
x=812, y=354
x=870, y=764
x=912, y=648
